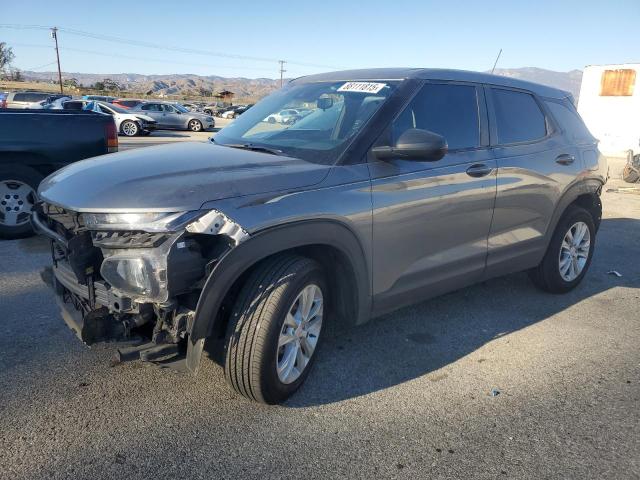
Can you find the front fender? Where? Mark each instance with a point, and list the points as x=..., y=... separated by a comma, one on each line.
x=260, y=246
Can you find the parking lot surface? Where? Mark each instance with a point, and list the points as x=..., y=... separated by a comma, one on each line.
x=161, y=137
x=494, y=381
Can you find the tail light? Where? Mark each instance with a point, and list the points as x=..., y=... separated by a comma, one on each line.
x=3, y=103
x=112, y=137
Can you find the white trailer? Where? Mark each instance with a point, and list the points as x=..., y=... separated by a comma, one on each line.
x=609, y=104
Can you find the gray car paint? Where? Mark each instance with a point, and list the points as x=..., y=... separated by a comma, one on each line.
x=172, y=120
x=424, y=227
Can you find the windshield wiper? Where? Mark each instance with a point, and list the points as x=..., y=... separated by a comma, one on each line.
x=254, y=148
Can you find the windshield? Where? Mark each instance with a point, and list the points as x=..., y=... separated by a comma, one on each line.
x=312, y=121
x=180, y=108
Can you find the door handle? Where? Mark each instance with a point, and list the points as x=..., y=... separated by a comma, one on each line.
x=565, y=159
x=479, y=170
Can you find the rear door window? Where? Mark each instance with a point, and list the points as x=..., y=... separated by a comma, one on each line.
x=518, y=117
x=449, y=110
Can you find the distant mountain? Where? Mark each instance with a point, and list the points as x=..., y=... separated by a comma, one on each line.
x=186, y=85
x=569, y=81
x=167, y=85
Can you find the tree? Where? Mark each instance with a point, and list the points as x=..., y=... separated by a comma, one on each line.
x=17, y=76
x=98, y=86
x=71, y=82
x=6, y=56
x=110, y=84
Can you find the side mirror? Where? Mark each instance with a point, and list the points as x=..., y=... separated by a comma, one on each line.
x=414, y=144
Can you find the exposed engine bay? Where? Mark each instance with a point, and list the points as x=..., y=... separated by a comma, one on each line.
x=134, y=278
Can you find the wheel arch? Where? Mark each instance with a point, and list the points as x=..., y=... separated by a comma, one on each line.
x=585, y=194
x=334, y=245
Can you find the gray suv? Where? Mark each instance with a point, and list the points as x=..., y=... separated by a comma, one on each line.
x=399, y=185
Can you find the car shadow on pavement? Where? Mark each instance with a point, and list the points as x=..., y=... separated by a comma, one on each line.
x=168, y=133
x=422, y=339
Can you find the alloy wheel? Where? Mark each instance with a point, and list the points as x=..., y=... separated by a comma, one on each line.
x=130, y=129
x=299, y=334
x=16, y=201
x=574, y=251
x=195, y=125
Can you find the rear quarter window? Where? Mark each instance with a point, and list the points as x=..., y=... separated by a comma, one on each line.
x=570, y=122
x=518, y=117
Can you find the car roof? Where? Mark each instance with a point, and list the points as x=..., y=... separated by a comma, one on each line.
x=434, y=74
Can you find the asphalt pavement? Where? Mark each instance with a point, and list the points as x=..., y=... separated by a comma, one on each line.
x=494, y=381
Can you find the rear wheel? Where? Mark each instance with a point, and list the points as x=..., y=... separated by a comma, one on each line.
x=275, y=328
x=130, y=128
x=569, y=253
x=195, y=125
x=18, y=186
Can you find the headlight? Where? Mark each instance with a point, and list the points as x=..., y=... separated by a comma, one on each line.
x=140, y=277
x=146, y=222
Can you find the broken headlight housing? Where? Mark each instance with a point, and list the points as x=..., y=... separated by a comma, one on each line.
x=144, y=222
x=137, y=265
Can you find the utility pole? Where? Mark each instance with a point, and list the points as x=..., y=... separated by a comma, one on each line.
x=282, y=70
x=54, y=35
x=496, y=62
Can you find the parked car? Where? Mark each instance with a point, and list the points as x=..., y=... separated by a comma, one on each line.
x=33, y=144
x=128, y=123
x=127, y=102
x=55, y=102
x=99, y=98
x=30, y=100
x=288, y=115
x=175, y=116
x=390, y=192
x=235, y=111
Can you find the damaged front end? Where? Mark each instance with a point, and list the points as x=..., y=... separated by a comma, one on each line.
x=134, y=277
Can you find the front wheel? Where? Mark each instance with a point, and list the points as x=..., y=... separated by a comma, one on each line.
x=569, y=253
x=195, y=125
x=130, y=128
x=275, y=328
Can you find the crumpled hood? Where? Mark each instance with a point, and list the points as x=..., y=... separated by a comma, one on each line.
x=177, y=177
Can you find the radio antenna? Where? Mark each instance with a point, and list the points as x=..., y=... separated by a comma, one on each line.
x=496, y=62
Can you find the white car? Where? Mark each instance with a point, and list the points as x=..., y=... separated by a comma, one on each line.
x=127, y=123
x=287, y=116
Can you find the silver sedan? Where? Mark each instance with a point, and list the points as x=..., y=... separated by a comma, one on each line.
x=174, y=116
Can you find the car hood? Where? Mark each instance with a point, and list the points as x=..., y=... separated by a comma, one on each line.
x=171, y=178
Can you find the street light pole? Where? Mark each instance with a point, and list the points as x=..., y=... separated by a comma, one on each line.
x=54, y=35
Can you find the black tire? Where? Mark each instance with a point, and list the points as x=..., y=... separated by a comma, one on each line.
x=546, y=275
x=630, y=174
x=195, y=125
x=25, y=175
x=131, y=127
x=251, y=344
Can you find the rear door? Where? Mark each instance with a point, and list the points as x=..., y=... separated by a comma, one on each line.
x=431, y=219
x=535, y=166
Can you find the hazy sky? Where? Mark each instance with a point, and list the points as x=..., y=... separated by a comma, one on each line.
x=323, y=34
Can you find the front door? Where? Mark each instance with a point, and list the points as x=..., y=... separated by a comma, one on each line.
x=431, y=220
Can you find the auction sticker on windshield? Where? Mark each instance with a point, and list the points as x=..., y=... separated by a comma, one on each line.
x=364, y=87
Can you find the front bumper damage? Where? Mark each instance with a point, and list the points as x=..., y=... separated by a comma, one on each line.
x=153, y=325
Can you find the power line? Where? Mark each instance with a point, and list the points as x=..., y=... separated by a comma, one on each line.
x=143, y=59
x=111, y=38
